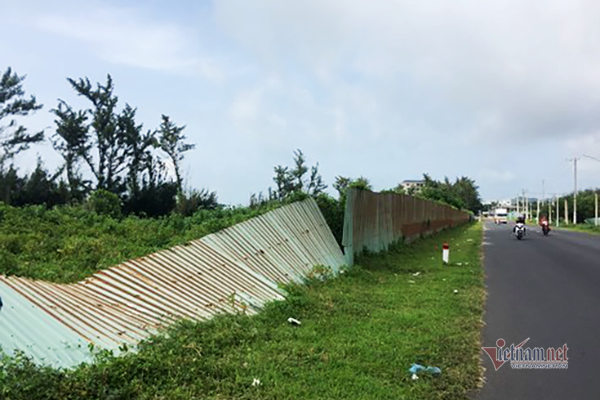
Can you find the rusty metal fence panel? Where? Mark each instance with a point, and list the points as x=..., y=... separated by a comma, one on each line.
x=374, y=221
x=238, y=268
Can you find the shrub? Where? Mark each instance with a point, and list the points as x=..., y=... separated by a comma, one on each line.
x=333, y=211
x=189, y=203
x=103, y=202
x=8, y=262
x=152, y=201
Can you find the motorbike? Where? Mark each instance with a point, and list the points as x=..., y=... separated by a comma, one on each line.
x=519, y=230
x=545, y=228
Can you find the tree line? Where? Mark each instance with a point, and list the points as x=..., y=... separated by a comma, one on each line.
x=112, y=163
x=462, y=194
x=107, y=155
x=586, y=206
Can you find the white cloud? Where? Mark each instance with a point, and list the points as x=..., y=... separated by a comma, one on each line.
x=494, y=176
x=126, y=36
x=340, y=123
x=511, y=67
x=589, y=144
x=246, y=106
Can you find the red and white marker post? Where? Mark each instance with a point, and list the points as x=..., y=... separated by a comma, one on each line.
x=446, y=253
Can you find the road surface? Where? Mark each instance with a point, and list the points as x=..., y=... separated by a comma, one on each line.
x=546, y=289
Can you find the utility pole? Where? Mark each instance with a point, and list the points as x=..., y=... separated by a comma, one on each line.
x=574, y=159
x=537, y=215
x=527, y=215
x=575, y=191
x=596, y=222
x=557, y=210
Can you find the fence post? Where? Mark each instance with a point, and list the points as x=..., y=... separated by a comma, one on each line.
x=348, y=236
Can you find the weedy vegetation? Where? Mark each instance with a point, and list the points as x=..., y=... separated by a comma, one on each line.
x=359, y=334
x=69, y=243
x=112, y=199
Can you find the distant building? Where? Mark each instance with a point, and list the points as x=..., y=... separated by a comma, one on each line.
x=414, y=185
x=506, y=203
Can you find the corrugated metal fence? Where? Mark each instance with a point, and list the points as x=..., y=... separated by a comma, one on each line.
x=238, y=268
x=373, y=221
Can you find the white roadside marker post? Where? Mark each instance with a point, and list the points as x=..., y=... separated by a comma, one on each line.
x=446, y=253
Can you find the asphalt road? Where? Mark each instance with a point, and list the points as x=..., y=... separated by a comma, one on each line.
x=546, y=289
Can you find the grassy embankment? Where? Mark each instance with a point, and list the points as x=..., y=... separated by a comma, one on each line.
x=580, y=228
x=359, y=334
x=67, y=244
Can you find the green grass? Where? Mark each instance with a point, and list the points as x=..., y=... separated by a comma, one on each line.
x=580, y=228
x=67, y=244
x=359, y=335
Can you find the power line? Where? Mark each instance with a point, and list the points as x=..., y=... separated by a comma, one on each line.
x=593, y=158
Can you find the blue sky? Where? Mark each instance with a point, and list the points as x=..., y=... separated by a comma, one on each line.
x=502, y=92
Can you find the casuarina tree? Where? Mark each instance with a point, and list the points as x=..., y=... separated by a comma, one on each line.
x=13, y=103
x=72, y=142
x=113, y=145
x=95, y=129
x=293, y=180
x=171, y=141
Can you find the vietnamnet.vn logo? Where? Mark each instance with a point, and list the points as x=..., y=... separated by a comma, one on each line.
x=527, y=358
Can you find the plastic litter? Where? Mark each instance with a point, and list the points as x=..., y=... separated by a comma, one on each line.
x=256, y=382
x=294, y=321
x=416, y=274
x=416, y=369
x=435, y=371
x=455, y=291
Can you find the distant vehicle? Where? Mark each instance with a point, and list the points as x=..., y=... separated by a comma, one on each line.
x=501, y=216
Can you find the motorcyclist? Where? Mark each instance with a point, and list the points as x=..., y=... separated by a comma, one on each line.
x=544, y=223
x=520, y=220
